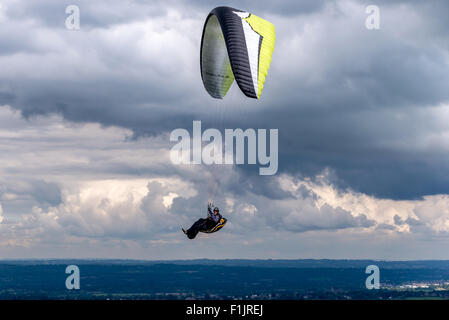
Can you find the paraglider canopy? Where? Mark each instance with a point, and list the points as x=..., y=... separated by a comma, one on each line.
x=235, y=45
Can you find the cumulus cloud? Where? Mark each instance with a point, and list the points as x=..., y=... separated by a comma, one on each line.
x=100, y=205
x=370, y=104
x=362, y=115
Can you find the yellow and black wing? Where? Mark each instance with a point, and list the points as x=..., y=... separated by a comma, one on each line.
x=236, y=45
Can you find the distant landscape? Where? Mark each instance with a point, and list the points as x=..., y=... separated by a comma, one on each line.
x=223, y=279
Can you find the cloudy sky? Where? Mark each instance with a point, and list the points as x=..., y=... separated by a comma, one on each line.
x=85, y=119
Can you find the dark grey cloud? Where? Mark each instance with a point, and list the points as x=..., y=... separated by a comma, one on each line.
x=67, y=188
x=106, y=14
x=361, y=103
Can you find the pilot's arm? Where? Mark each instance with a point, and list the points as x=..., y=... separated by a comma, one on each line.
x=210, y=213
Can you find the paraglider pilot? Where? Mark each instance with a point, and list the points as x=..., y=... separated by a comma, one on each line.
x=205, y=225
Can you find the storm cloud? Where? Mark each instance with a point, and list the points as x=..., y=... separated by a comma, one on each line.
x=85, y=117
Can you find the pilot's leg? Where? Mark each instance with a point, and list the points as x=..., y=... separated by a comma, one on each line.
x=209, y=224
x=195, y=228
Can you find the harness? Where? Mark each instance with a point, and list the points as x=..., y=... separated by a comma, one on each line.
x=217, y=227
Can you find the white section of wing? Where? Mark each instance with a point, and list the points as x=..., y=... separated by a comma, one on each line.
x=252, y=39
x=242, y=15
